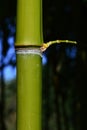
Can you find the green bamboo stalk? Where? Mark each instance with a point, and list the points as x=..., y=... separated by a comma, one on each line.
x=29, y=22
x=29, y=74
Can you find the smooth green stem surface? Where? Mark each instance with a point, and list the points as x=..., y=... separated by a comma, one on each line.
x=29, y=22
x=29, y=92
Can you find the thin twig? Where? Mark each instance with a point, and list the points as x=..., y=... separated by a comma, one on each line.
x=46, y=45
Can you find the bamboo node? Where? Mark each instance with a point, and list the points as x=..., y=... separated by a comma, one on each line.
x=34, y=51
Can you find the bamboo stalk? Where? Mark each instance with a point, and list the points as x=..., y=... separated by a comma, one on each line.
x=28, y=92
x=29, y=74
x=29, y=22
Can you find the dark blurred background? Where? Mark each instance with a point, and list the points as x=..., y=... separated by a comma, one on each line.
x=64, y=66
